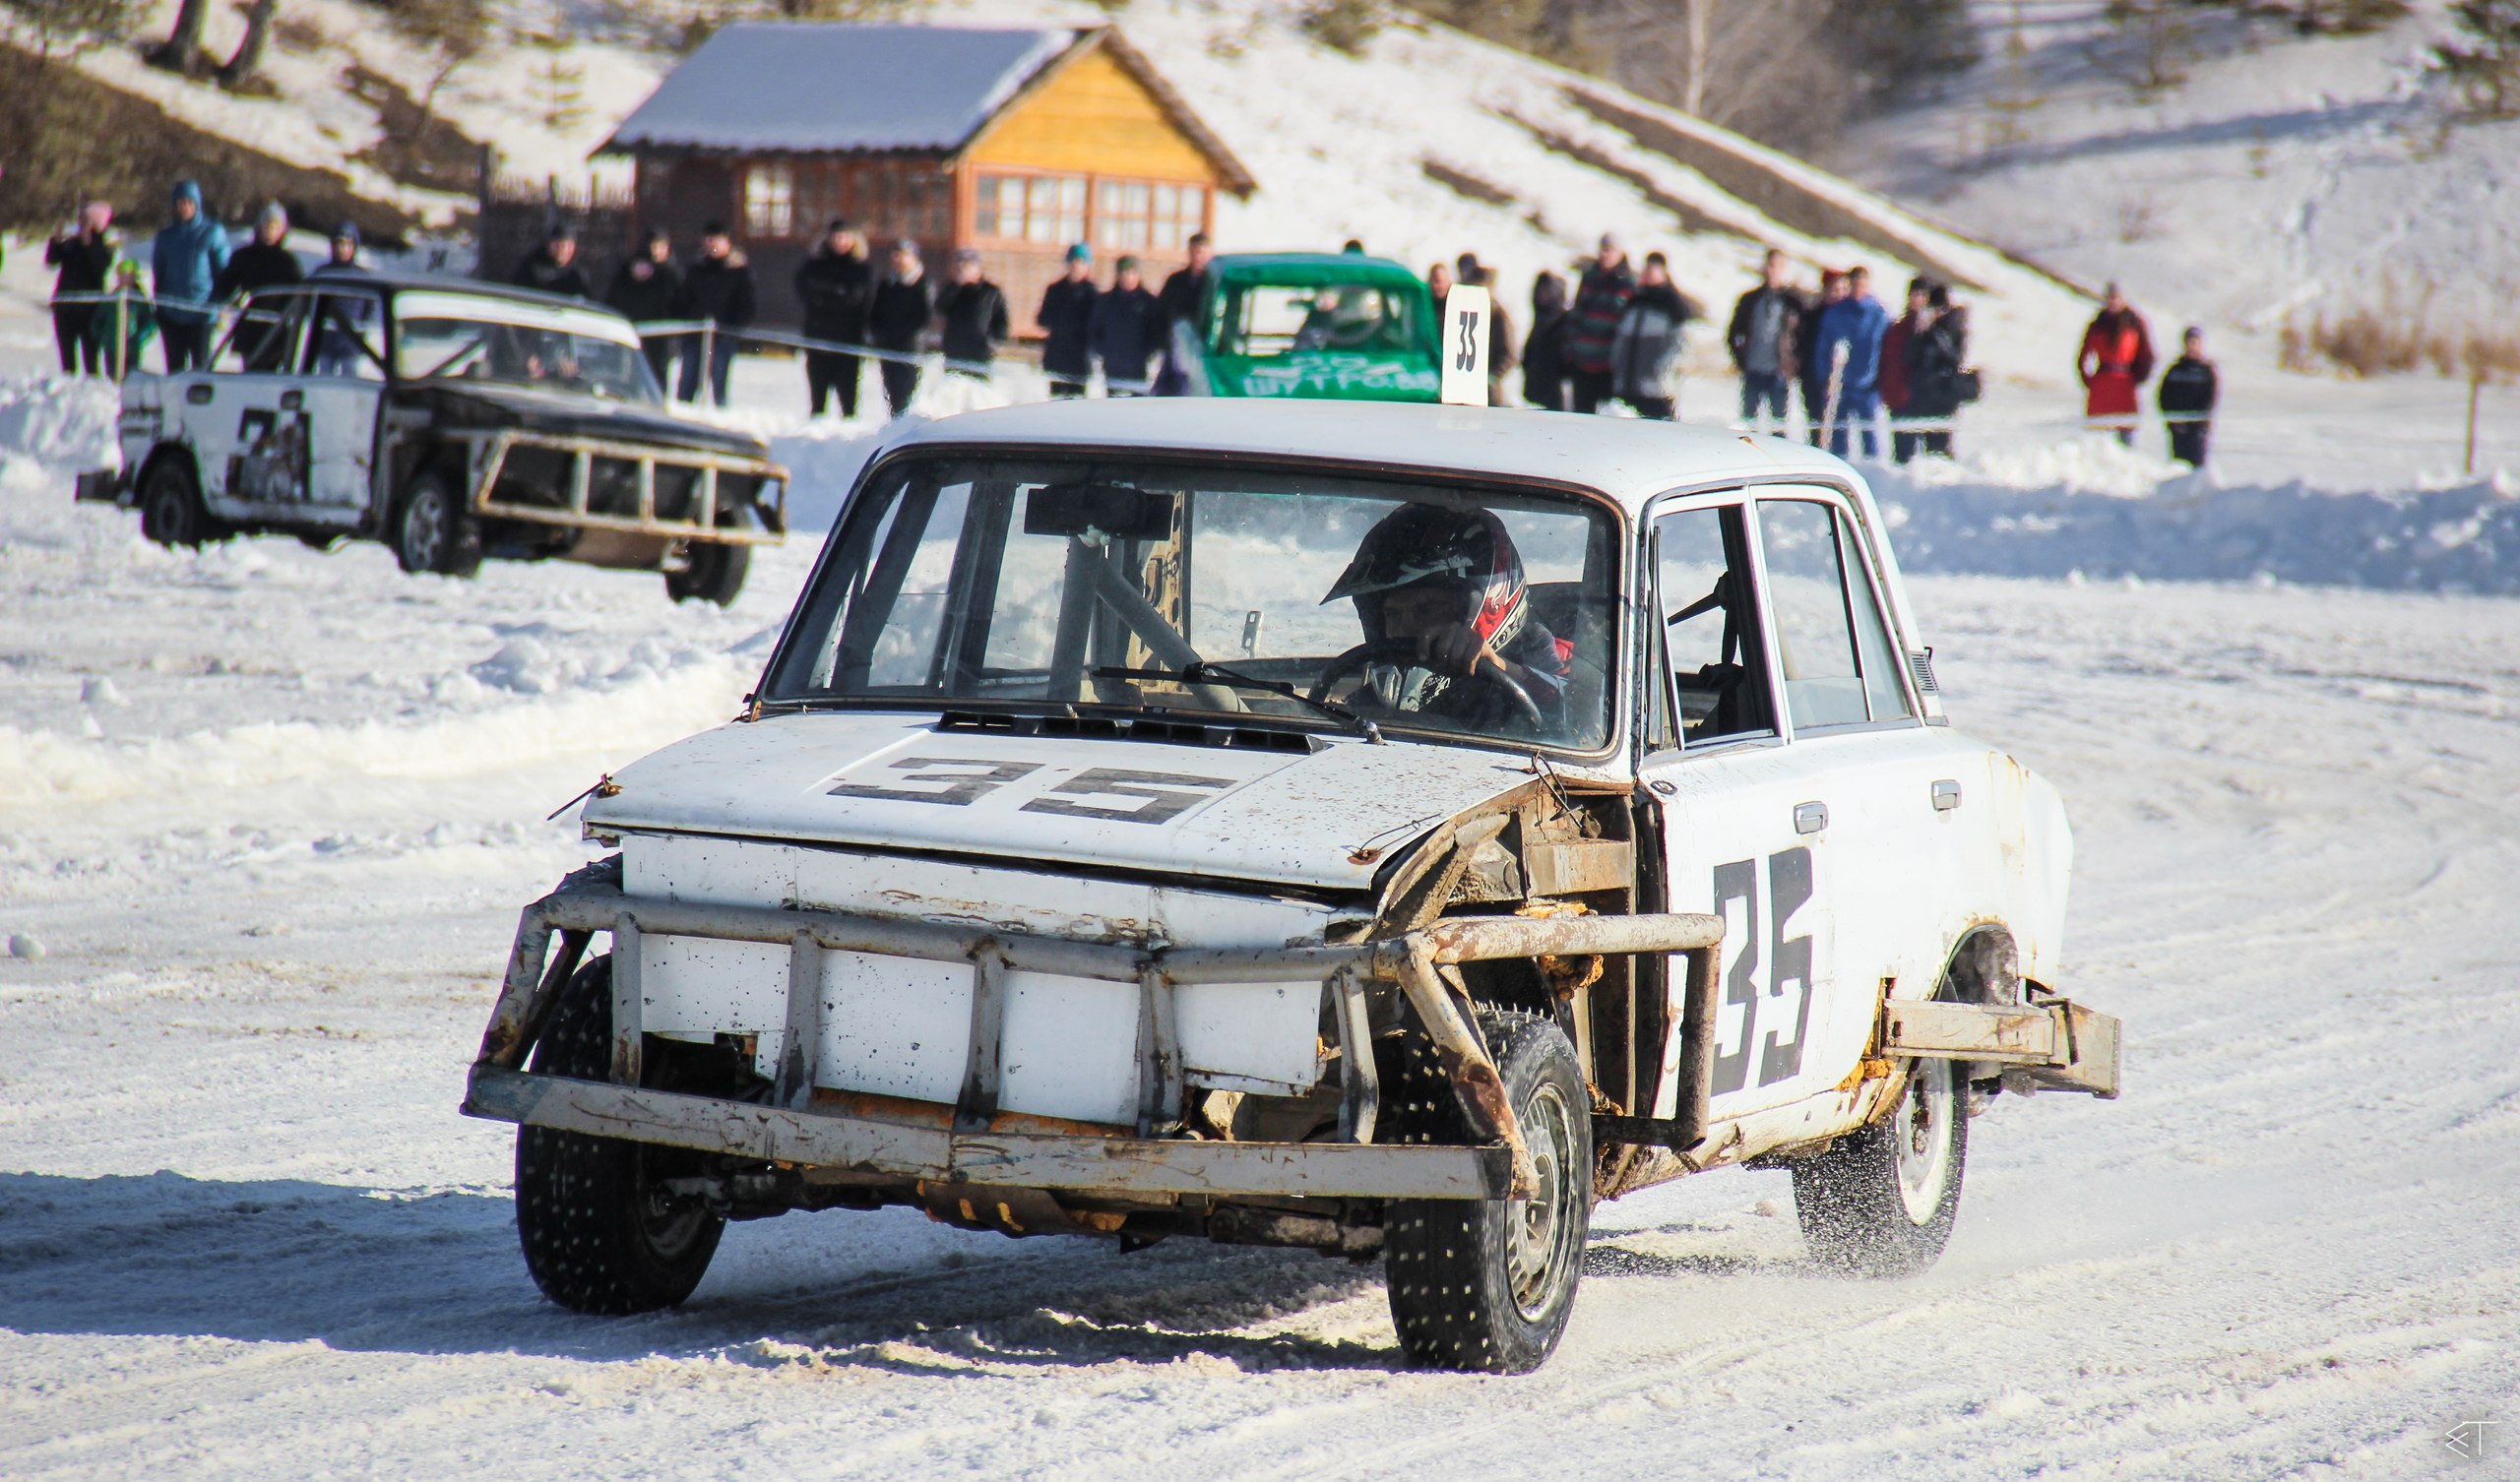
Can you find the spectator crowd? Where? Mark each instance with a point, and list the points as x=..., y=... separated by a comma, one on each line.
x=1861, y=381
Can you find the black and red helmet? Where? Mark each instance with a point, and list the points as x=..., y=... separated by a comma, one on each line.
x=1427, y=545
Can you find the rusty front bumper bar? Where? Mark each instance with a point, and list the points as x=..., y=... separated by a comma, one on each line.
x=788, y=1129
x=2047, y=1044
x=492, y=456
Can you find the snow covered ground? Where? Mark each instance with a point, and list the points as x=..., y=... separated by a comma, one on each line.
x=268, y=813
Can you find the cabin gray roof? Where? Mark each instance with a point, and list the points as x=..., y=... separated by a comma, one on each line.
x=813, y=85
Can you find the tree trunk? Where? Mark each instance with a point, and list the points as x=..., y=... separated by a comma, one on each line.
x=181, y=50
x=248, y=59
x=1693, y=88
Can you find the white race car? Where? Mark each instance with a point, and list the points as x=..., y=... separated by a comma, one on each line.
x=1368, y=827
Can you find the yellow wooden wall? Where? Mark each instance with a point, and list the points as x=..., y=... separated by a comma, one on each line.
x=1093, y=118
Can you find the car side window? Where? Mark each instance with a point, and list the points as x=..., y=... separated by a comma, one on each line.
x=1832, y=645
x=348, y=338
x=264, y=339
x=1706, y=599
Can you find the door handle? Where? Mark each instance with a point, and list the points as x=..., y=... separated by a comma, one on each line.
x=197, y=394
x=1810, y=818
x=291, y=401
x=1946, y=795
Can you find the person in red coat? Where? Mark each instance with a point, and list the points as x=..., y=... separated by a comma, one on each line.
x=2117, y=357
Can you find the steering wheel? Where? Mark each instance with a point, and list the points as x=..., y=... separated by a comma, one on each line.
x=1356, y=660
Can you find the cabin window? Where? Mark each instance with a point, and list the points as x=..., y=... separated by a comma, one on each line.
x=1049, y=210
x=1142, y=214
x=770, y=199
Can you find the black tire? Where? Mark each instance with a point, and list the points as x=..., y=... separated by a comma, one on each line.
x=1880, y=1201
x=433, y=531
x=1487, y=1285
x=171, y=511
x=714, y=573
x=600, y=1233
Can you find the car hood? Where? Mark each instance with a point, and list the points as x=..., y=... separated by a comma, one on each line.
x=1322, y=821
x=575, y=414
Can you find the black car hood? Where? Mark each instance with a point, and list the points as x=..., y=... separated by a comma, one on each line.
x=575, y=415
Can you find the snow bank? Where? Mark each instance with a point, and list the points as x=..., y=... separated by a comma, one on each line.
x=58, y=420
x=2105, y=517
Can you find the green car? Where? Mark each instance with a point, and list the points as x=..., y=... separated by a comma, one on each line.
x=1337, y=326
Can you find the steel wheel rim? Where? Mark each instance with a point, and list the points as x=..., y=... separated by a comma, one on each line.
x=1920, y=1131
x=1539, y=1231
x=422, y=523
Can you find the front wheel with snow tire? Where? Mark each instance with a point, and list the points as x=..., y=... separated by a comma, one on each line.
x=602, y=1232
x=171, y=511
x=1487, y=1284
x=1880, y=1201
x=714, y=573
x=434, y=532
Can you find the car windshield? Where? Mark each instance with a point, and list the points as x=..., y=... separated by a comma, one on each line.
x=450, y=336
x=1074, y=585
x=1273, y=318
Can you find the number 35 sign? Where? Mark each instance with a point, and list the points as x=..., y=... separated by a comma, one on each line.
x=1461, y=347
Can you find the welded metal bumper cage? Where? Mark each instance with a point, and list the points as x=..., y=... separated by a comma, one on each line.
x=700, y=522
x=788, y=1128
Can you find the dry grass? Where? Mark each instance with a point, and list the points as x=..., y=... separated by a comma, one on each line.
x=2397, y=338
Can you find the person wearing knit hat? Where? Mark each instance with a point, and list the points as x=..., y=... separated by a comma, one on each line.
x=344, y=259
x=1067, y=318
x=263, y=263
x=836, y=285
x=974, y=313
x=83, y=255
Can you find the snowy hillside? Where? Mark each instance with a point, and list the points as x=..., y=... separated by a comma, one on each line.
x=2284, y=176
x=1428, y=144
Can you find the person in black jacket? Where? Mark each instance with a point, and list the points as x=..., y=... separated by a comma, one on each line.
x=2187, y=392
x=1936, y=353
x=648, y=288
x=554, y=267
x=83, y=252
x=835, y=284
x=1765, y=336
x=974, y=313
x=1067, y=317
x=264, y=262
x=719, y=288
x=1127, y=332
x=898, y=318
x=1179, y=299
x=1544, y=351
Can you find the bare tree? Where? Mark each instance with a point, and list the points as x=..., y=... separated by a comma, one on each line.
x=452, y=33
x=181, y=50
x=248, y=58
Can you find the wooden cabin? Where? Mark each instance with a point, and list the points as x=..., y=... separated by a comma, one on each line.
x=1018, y=142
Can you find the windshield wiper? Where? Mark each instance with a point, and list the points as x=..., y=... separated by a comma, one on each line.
x=1200, y=671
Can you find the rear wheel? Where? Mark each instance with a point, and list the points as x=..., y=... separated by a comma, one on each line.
x=1880, y=1203
x=602, y=1232
x=433, y=532
x=1487, y=1284
x=170, y=508
x=714, y=573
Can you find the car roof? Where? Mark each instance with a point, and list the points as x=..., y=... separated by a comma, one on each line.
x=1308, y=268
x=445, y=282
x=1629, y=458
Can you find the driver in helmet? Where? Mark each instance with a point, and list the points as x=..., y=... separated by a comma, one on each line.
x=1448, y=627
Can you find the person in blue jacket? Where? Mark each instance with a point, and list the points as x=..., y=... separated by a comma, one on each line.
x=1849, y=364
x=184, y=265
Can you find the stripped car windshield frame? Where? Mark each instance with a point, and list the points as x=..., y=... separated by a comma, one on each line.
x=1065, y=584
